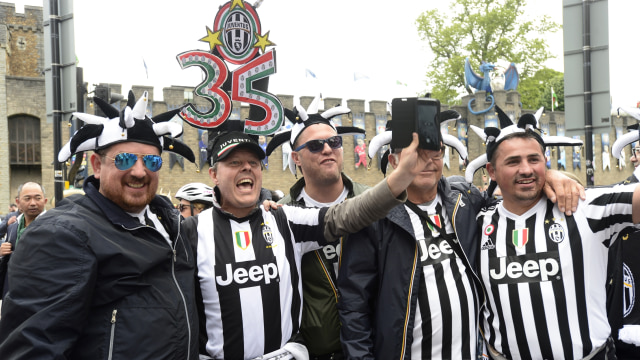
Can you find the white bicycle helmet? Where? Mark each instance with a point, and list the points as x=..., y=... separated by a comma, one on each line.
x=197, y=192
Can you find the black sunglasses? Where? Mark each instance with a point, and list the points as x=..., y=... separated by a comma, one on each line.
x=315, y=146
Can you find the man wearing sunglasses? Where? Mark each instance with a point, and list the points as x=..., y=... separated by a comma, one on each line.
x=107, y=274
x=318, y=153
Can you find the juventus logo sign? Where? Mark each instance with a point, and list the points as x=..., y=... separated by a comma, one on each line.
x=237, y=39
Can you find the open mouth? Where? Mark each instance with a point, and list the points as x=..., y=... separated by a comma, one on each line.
x=245, y=184
x=135, y=185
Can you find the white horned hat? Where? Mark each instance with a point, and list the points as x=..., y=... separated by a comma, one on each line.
x=128, y=125
x=302, y=119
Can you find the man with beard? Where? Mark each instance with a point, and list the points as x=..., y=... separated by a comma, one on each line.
x=107, y=274
x=545, y=273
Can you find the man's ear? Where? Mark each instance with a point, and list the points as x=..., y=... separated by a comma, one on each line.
x=96, y=164
x=296, y=158
x=492, y=171
x=214, y=176
x=393, y=160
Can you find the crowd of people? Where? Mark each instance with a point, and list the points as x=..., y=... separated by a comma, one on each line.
x=417, y=267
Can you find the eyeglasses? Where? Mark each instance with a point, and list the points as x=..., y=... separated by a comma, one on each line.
x=636, y=152
x=334, y=142
x=125, y=161
x=183, y=207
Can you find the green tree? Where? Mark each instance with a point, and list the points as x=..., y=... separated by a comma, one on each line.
x=535, y=91
x=483, y=30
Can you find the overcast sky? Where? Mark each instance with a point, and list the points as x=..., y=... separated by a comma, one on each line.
x=332, y=38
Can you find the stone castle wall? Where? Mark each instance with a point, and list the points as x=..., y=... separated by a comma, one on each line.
x=22, y=93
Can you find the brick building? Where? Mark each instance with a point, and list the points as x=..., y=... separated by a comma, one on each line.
x=26, y=138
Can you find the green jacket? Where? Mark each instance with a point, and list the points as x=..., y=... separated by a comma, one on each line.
x=320, y=325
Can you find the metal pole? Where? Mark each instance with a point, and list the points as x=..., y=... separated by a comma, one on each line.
x=586, y=71
x=54, y=23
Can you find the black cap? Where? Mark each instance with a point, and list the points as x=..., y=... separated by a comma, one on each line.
x=222, y=145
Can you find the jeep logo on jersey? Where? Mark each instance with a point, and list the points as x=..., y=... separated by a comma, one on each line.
x=436, y=251
x=538, y=267
x=332, y=252
x=629, y=290
x=247, y=276
x=556, y=233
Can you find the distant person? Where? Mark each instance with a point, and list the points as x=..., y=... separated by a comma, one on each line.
x=108, y=274
x=11, y=217
x=31, y=202
x=194, y=198
x=635, y=156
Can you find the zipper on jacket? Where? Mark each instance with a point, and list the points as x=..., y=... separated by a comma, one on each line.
x=466, y=262
x=327, y=274
x=403, y=349
x=184, y=301
x=113, y=330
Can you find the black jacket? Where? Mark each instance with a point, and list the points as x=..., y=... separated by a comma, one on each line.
x=12, y=236
x=4, y=226
x=376, y=322
x=88, y=281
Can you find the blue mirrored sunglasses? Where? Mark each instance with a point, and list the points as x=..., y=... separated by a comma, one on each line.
x=315, y=146
x=125, y=161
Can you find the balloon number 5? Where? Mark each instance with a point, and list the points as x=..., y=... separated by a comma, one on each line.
x=243, y=90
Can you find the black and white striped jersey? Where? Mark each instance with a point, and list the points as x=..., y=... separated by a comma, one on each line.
x=545, y=274
x=248, y=270
x=446, y=316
